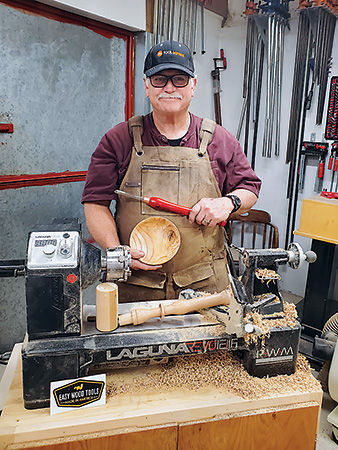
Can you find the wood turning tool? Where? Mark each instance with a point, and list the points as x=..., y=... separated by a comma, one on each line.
x=162, y=205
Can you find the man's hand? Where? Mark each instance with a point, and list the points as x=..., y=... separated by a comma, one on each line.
x=136, y=264
x=211, y=211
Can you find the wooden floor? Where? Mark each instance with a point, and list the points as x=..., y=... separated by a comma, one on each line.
x=208, y=419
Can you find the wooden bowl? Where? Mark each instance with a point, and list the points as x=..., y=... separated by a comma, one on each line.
x=158, y=237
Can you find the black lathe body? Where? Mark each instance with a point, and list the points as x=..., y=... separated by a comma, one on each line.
x=62, y=341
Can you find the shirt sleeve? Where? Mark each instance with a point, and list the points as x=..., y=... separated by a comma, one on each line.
x=230, y=165
x=108, y=164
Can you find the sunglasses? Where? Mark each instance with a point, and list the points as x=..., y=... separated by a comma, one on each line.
x=179, y=80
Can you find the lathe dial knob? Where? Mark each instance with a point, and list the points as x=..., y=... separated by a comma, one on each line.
x=49, y=250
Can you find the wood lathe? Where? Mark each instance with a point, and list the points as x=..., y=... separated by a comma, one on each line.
x=63, y=342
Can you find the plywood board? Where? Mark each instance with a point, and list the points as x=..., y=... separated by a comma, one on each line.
x=164, y=438
x=283, y=430
x=138, y=411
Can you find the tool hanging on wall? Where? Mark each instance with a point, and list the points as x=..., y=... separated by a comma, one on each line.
x=312, y=149
x=333, y=164
x=326, y=194
x=181, y=20
x=331, y=129
x=219, y=65
x=316, y=29
x=265, y=32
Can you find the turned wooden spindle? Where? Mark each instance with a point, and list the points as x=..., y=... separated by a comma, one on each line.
x=141, y=315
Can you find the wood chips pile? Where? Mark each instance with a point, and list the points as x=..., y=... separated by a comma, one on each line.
x=287, y=318
x=222, y=370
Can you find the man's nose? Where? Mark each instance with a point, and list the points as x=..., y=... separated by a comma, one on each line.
x=169, y=87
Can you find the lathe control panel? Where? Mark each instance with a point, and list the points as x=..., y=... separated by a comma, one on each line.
x=53, y=250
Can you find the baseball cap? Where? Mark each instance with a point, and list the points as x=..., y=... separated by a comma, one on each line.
x=169, y=55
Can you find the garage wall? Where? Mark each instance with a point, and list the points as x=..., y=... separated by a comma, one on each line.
x=62, y=86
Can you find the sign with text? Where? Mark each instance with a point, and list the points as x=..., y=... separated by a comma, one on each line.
x=83, y=392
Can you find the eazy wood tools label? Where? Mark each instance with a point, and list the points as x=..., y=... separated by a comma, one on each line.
x=66, y=395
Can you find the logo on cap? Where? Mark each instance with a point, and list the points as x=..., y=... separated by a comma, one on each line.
x=159, y=53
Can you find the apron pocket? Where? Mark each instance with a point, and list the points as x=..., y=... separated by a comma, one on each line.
x=151, y=279
x=159, y=181
x=193, y=274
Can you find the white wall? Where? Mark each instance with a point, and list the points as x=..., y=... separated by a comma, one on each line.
x=127, y=14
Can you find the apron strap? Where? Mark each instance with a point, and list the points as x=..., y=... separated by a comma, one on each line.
x=206, y=134
x=135, y=125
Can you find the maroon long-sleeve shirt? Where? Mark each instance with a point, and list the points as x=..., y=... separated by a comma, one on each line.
x=111, y=158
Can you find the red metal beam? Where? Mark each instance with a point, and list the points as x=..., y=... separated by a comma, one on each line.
x=6, y=128
x=130, y=69
x=40, y=179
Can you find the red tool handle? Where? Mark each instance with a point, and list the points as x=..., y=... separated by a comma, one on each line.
x=223, y=58
x=335, y=165
x=164, y=205
x=329, y=194
x=329, y=166
x=321, y=170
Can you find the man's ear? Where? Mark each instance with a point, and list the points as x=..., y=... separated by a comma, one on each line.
x=193, y=82
x=146, y=86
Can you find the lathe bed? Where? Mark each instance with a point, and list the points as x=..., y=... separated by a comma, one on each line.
x=46, y=360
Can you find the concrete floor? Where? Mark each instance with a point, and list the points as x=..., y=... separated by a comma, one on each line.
x=324, y=438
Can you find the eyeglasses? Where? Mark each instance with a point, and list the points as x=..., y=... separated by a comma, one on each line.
x=179, y=80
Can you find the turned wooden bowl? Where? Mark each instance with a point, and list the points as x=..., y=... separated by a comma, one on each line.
x=158, y=237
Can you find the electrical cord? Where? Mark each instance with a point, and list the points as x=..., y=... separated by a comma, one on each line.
x=4, y=357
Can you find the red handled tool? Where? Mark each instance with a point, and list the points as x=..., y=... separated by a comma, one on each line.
x=162, y=205
x=333, y=162
x=329, y=194
x=319, y=150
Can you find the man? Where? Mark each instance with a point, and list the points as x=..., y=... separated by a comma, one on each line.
x=172, y=154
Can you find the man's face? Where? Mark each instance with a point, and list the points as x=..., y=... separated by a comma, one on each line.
x=170, y=99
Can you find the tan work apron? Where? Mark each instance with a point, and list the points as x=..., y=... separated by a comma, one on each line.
x=181, y=175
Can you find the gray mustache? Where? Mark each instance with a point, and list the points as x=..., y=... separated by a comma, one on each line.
x=165, y=95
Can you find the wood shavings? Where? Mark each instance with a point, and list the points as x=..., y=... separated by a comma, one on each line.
x=222, y=370
x=283, y=319
x=267, y=275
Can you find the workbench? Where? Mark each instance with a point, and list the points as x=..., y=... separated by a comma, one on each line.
x=208, y=418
